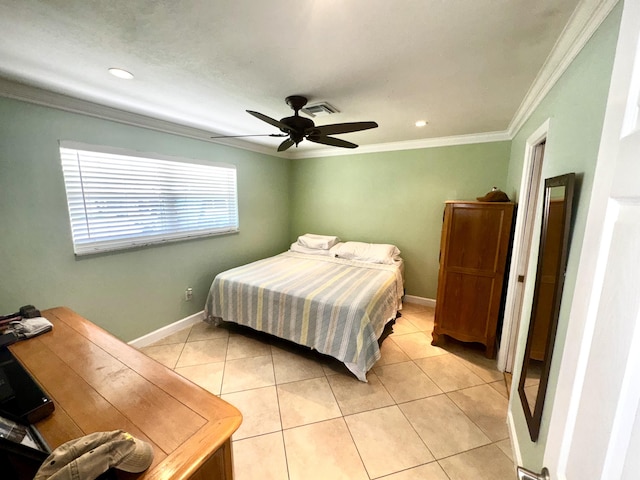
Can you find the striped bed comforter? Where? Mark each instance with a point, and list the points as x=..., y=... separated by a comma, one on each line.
x=336, y=306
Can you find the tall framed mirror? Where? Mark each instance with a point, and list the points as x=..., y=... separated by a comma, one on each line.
x=552, y=262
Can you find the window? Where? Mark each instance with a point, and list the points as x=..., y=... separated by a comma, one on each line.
x=119, y=200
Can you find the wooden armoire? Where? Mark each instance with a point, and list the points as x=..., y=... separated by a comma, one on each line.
x=474, y=248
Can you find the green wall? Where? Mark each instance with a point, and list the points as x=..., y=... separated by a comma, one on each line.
x=575, y=107
x=133, y=292
x=394, y=197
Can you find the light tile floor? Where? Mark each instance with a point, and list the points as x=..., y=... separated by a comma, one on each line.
x=427, y=413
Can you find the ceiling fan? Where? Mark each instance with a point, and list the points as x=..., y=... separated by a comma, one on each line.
x=298, y=128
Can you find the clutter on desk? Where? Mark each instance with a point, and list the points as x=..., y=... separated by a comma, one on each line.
x=26, y=323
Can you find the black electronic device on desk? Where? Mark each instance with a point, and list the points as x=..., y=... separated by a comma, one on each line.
x=7, y=339
x=21, y=398
x=22, y=402
x=22, y=450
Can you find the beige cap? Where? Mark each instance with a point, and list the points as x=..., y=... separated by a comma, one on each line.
x=86, y=458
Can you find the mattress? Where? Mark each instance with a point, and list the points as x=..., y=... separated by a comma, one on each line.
x=338, y=307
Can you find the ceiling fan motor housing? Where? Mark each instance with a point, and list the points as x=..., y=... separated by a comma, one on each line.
x=298, y=125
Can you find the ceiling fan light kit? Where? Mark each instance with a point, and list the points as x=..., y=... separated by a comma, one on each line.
x=299, y=128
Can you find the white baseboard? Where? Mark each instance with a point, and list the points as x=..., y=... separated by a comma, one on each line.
x=429, y=302
x=513, y=436
x=167, y=330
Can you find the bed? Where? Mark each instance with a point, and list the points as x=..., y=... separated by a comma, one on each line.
x=337, y=306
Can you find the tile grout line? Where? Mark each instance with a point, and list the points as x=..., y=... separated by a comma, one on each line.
x=184, y=344
x=417, y=433
x=465, y=413
x=344, y=420
x=224, y=368
x=284, y=444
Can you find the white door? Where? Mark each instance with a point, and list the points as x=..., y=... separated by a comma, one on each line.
x=594, y=428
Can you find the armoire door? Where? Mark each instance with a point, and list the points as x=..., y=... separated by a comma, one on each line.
x=474, y=249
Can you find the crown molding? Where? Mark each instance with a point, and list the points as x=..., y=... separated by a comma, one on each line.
x=59, y=101
x=584, y=21
x=411, y=145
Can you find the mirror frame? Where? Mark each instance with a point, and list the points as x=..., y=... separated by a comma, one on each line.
x=534, y=415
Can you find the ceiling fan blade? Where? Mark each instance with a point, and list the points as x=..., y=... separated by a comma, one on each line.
x=272, y=121
x=256, y=135
x=286, y=144
x=336, y=128
x=335, y=142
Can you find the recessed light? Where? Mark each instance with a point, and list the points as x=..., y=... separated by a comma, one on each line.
x=120, y=73
x=421, y=123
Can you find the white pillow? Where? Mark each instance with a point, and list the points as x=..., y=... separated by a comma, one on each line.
x=295, y=247
x=311, y=240
x=367, y=252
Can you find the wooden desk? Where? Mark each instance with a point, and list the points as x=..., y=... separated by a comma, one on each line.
x=99, y=383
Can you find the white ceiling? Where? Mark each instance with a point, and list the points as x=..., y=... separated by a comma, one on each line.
x=465, y=66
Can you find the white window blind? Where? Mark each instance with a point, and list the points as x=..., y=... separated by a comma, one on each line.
x=119, y=201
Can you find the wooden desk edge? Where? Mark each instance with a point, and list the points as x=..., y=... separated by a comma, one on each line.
x=209, y=441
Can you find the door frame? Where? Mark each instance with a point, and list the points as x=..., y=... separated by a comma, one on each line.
x=523, y=233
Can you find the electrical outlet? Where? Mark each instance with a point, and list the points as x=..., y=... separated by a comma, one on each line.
x=188, y=294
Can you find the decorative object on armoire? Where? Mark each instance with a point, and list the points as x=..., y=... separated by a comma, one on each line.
x=495, y=195
x=474, y=248
x=547, y=295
